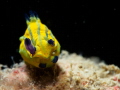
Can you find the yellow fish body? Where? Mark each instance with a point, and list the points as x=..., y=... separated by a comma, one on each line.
x=38, y=47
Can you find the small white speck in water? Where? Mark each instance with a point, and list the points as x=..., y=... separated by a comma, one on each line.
x=84, y=21
x=114, y=9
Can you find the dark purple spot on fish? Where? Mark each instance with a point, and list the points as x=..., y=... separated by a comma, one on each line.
x=42, y=65
x=29, y=46
x=55, y=59
x=51, y=42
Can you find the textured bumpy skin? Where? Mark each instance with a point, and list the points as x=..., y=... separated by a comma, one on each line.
x=38, y=45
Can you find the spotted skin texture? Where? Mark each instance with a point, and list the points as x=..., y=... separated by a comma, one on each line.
x=38, y=46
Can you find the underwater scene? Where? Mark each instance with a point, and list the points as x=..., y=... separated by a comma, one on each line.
x=59, y=45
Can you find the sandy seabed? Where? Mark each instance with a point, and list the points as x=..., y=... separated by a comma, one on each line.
x=72, y=72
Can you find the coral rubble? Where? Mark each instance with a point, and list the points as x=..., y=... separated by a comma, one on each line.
x=72, y=72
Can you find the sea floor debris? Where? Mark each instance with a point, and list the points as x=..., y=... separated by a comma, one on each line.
x=72, y=72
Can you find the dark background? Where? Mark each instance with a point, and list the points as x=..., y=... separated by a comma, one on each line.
x=85, y=27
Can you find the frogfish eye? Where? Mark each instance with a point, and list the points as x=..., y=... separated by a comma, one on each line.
x=42, y=65
x=55, y=59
